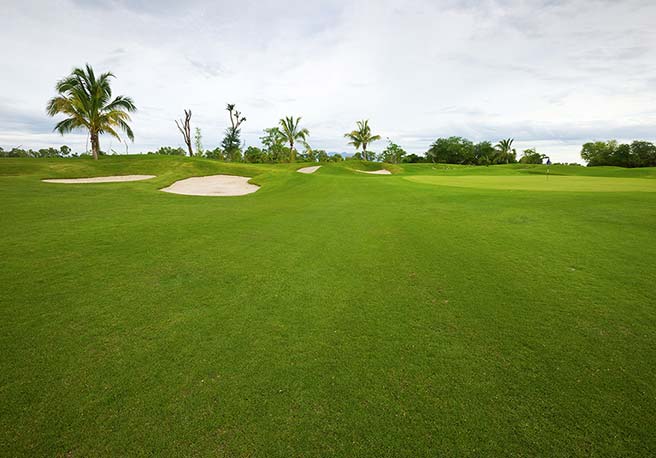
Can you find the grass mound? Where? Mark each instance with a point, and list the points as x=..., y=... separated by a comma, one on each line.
x=542, y=183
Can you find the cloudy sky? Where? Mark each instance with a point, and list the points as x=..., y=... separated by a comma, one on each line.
x=552, y=74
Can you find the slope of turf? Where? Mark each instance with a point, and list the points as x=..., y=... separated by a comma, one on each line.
x=332, y=314
x=541, y=183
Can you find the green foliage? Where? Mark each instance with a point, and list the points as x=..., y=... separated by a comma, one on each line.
x=169, y=151
x=392, y=154
x=452, y=150
x=637, y=154
x=86, y=101
x=50, y=152
x=217, y=153
x=308, y=154
x=414, y=159
x=505, y=152
x=322, y=156
x=485, y=154
x=361, y=137
x=274, y=148
x=291, y=132
x=336, y=157
x=198, y=142
x=254, y=155
x=231, y=143
x=458, y=150
x=531, y=156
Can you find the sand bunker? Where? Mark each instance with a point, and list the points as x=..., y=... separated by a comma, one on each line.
x=213, y=185
x=376, y=172
x=112, y=179
x=309, y=169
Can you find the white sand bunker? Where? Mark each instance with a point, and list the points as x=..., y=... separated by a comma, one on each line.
x=112, y=179
x=213, y=185
x=376, y=172
x=309, y=169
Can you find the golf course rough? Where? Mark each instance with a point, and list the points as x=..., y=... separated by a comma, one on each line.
x=341, y=315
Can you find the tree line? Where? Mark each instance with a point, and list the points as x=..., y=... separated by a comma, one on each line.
x=86, y=101
x=636, y=154
x=63, y=151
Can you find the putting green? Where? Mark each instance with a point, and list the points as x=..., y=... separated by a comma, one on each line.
x=541, y=183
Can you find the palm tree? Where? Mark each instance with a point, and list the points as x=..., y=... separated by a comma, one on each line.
x=86, y=100
x=505, y=148
x=290, y=132
x=361, y=137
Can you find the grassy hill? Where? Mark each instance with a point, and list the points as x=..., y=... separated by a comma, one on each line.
x=443, y=310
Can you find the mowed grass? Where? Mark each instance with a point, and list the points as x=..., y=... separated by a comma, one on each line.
x=332, y=314
x=541, y=183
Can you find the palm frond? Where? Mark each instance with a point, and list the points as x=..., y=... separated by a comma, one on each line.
x=86, y=100
x=67, y=125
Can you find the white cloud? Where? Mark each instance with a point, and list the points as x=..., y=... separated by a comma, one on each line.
x=552, y=74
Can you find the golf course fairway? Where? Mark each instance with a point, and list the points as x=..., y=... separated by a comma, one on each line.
x=437, y=311
x=542, y=183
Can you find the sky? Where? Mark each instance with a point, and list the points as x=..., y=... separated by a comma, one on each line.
x=551, y=74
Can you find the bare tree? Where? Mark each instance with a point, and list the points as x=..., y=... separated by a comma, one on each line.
x=231, y=142
x=185, y=129
x=235, y=117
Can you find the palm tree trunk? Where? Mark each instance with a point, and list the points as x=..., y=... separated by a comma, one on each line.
x=292, y=158
x=364, y=152
x=95, y=145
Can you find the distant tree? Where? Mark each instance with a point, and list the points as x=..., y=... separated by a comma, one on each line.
x=530, y=156
x=622, y=156
x=452, y=150
x=643, y=154
x=50, y=152
x=361, y=137
x=484, y=153
x=414, y=158
x=507, y=153
x=231, y=141
x=291, y=133
x=598, y=153
x=335, y=157
x=253, y=154
x=322, y=156
x=198, y=142
x=216, y=153
x=392, y=154
x=86, y=101
x=309, y=154
x=274, y=148
x=184, y=126
x=169, y=151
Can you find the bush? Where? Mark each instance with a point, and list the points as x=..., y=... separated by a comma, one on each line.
x=169, y=151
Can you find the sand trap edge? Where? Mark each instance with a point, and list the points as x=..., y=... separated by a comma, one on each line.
x=310, y=169
x=107, y=179
x=213, y=186
x=376, y=172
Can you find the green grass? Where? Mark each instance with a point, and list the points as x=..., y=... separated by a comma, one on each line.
x=541, y=183
x=332, y=314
